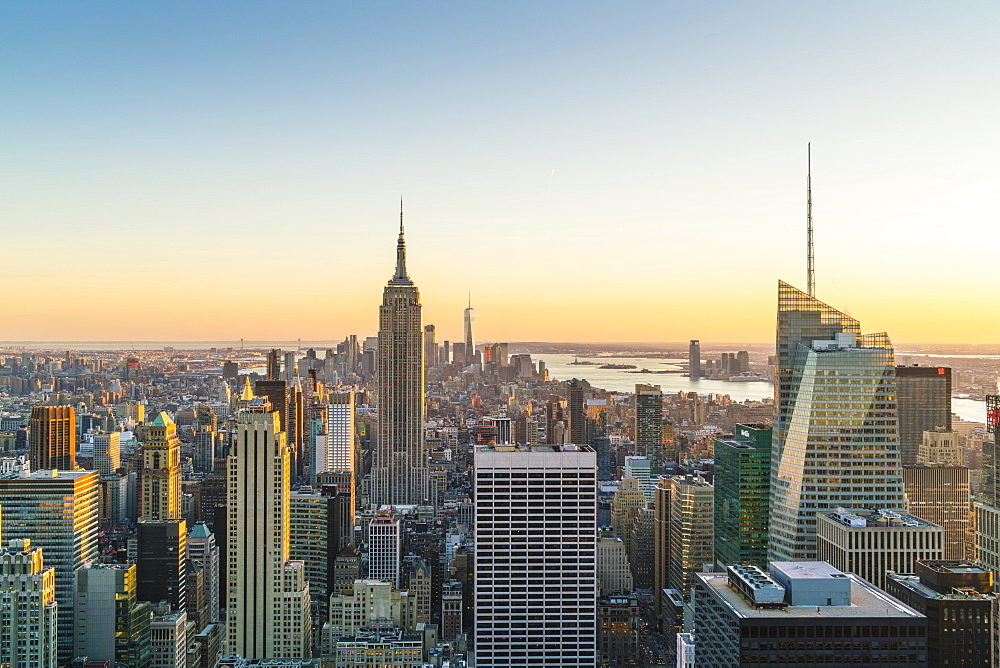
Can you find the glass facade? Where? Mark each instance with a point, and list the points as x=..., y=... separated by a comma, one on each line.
x=836, y=428
x=742, y=489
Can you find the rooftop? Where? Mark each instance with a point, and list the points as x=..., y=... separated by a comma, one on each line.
x=862, y=519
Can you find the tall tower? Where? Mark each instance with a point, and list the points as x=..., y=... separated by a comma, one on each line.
x=430, y=346
x=53, y=437
x=400, y=472
x=268, y=608
x=470, y=344
x=161, y=471
x=835, y=424
x=28, y=601
x=649, y=424
x=694, y=359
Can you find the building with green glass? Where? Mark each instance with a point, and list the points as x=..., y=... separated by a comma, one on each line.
x=835, y=423
x=742, y=488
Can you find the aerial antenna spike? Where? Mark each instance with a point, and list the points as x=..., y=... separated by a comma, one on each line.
x=810, y=265
x=400, y=214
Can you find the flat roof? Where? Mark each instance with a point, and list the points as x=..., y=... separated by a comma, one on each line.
x=866, y=601
x=873, y=517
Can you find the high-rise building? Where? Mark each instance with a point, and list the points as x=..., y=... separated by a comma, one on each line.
x=987, y=504
x=694, y=359
x=204, y=552
x=661, y=539
x=161, y=471
x=939, y=446
x=742, y=477
x=161, y=553
x=536, y=570
x=400, y=474
x=317, y=537
x=957, y=598
x=268, y=611
x=28, y=617
x=613, y=570
x=940, y=494
x=291, y=368
x=385, y=547
x=111, y=623
x=274, y=364
x=342, y=453
x=923, y=400
x=430, y=346
x=835, y=442
x=803, y=614
x=691, y=531
x=52, y=437
x=470, y=343
x=649, y=424
x=107, y=453
x=577, y=413
x=869, y=543
x=58, y=512
x=168, y=638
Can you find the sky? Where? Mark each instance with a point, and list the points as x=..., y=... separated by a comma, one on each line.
x=590, y=171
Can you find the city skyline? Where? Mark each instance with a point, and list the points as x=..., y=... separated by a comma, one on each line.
x=662, y=145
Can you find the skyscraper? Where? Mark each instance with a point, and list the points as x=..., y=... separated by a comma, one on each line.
x=204, y=552
x=835, y=441
x=162, y=551
x=430, y=346
x=649, y=424
x=59, y=514
x=274, y=364
x=111, y=623
x=161, y=471
x=694, y=359
x=27, y=608
x=742, y=492
x=923, y=398
x=400, y=473
x=52, y=439
x=575, y=404
x=268, y=608
x=536, y=566
x=470, y=344
x=107, y=453
x=385, y=548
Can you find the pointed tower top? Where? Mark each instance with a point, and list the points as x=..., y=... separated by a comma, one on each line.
x=469, y=307
x=401, y=277
x=810, y=266
x=247, y=390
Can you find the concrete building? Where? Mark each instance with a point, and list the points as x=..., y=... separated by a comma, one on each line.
x=640, y=468
x=317, y=536
x=941, y=495
x=28, y=611
x=161, y=471
x=168, y=638
x=400, y=473
x=661, y=540
x=341, y=452
x=204, y=551
x=649, y=424
x=161, y=553
x=536, y=559
x=52, y=437
x=58, y=512
x=368, y=604
x=385, y=547
x=802, y=614
x=939, y=446
x=869, y=543
x=618, y=622
x=958, y=600
x=390, y=648
x=613, y=570
x=694, y=359
x=107, y=453
x=628, y=497
x=268, y=611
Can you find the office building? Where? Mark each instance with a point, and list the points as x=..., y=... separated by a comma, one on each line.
x=161, y=554
x=613, y=572
x=986, y=507
x=835, y=442
x=923, y=400
x=576, y=410
x=203, y=550
x=940, y=494
x=649, y=424
x=957, y=598
x=107, y=453
x=400, y=473
x=385, y=648
x=628, y=497
x=618, y=630
x=274, y=364
x=161, y=471
x=691, y=532
x=111, y=623
x=367, y=604
x=869, y=543
x=661, y=540
x=28, y=613
x=802, y=614
x=430, y=346
x=58, y=511
x=694, y=359
x=291, y=370
x=939, y=446
x=535, y=561
x=341, y=443
x=52, y=437
x=640, y=468
x=268, y=611
x=742, y=481
x=317, y=535
x=470, y=343
x=168, y=638
x=451, y=610
x=385, y=548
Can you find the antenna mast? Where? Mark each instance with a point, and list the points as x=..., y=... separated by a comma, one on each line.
x=810, y=267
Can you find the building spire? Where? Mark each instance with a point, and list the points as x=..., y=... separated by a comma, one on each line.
x=470, y=299
x=401, y=250
x=810, y=267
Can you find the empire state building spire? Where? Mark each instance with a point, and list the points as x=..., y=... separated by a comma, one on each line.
x=401, y=278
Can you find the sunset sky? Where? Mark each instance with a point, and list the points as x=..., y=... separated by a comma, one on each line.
x=591, y=171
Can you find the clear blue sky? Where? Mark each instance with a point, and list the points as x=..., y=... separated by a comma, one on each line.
x=591, y=171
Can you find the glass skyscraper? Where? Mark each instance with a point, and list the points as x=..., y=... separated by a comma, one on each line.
x=835, y=426
x=742, y=490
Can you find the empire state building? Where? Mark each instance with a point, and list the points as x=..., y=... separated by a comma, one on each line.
x=400, y=474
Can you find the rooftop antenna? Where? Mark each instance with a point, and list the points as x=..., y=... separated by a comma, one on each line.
x=810, y=266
